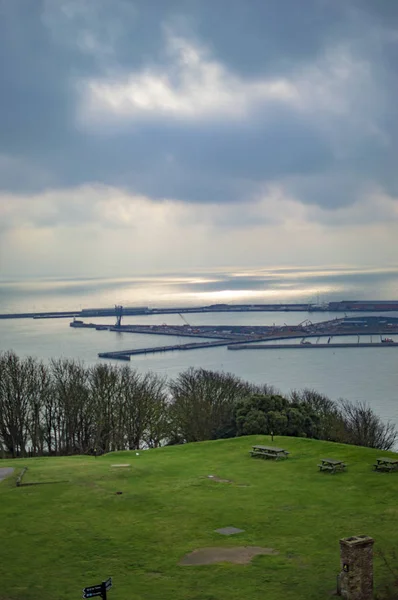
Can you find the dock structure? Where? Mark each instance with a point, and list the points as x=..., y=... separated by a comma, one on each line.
x=311, y=346
x=164, y=330
x=126, y=354
x=352, y=306
x=330, y=328
x=244, y=337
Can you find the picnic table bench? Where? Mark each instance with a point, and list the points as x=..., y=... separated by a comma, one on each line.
x=268, y=452
x=331, y=465
x=386, y=464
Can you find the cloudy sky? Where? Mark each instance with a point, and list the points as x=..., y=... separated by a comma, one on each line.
x=147, y=135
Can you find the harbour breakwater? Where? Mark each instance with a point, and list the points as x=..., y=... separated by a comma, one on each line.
x=118, y=311
x=245, y=337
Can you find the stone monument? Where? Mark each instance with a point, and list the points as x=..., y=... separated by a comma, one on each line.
x=355, y=581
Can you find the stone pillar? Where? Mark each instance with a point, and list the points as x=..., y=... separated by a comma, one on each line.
x=356, y=577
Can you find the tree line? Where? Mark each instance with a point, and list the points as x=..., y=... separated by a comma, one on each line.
x=65, y=407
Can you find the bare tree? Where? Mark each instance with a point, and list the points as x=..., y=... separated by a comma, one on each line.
x=364, y=428
x=203, y=401
x=16, y=389
x=330, y=422
x=157, y=426
x=41, y=391
x=134, y=397
x=104, y=384
x=74, y=417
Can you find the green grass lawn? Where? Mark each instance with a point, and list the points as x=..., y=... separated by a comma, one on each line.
x=74, y=530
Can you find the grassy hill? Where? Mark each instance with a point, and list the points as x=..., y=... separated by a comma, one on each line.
x=73, y=530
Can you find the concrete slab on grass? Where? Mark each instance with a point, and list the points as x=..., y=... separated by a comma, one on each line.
x=229, y=530
x=5, y=472
x=120, y=466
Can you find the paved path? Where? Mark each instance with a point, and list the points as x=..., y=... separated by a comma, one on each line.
x=5, y=472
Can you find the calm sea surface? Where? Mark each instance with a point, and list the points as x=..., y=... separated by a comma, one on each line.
x=366, y=374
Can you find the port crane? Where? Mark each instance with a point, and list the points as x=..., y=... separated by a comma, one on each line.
x=184, y=319
x=119, y=314
x=188, y=325
x=305, y=323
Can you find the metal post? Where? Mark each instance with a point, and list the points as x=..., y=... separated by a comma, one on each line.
x=103, y=590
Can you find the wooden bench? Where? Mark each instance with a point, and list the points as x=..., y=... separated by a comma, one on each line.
x=386, y=465
x=266, y=455
x=331, y=465
x=325, y=468
x=268, y=452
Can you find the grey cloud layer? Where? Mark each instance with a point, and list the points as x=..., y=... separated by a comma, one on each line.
x=330, y=145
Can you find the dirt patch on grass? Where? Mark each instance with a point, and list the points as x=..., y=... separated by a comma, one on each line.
x=238, y=555
x=391, y=511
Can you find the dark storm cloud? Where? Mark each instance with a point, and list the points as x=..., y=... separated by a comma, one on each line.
x=272, y=37
x=49, y=49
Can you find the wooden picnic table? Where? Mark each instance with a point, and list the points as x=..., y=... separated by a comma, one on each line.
x=331, y=465
x=268, y=452
x=386, y=464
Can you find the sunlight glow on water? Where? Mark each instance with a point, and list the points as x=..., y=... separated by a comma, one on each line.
x=284, y=285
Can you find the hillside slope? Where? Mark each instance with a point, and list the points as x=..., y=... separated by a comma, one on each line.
x=71, y=529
